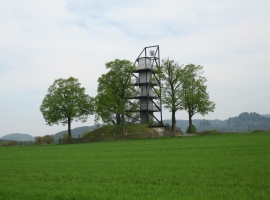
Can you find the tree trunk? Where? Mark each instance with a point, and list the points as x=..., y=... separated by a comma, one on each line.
x=190, y=122
x=173, y=121
x=69, y=129
x=118, y=120
x=123, y=125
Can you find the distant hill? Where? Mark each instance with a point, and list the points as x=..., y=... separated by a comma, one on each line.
x=76, y=131
x=201, y=124
x=244, y=122
x=249, y=121
x=18, y=137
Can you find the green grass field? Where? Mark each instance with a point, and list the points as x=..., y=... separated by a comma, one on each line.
x=233, y=166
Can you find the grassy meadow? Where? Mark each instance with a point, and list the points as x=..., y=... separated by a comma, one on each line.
x=235, y=166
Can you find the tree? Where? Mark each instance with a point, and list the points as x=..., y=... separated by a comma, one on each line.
x=194, y=97
x=114, y=90
x=66, y=101
x=38, y=140
x=48, y=139
x=106, y=109
x=194, y=130
x=10, y=143
x=171, y=76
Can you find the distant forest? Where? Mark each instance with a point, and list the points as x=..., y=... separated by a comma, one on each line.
x=243, y=123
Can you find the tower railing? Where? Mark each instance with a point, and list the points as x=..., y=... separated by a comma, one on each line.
x=137, y=81
x=146, y=66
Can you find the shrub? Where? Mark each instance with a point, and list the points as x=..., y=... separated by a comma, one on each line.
x=168, y=126
x=9, y=143
x=48, y=139
x=194, y=130
x=258, y=131
x=38, y=140
x=65, y=136
x=210, y=132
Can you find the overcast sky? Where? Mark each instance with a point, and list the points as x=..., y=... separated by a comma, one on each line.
x=41, y=41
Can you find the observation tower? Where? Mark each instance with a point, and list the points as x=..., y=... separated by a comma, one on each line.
x=146, y=102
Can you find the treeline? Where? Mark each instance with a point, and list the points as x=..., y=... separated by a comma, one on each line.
x=4, y=143
x=177, y=87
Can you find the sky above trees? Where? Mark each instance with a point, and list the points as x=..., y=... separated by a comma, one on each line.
x=41, y=41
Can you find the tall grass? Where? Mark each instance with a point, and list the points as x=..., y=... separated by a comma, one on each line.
x=210, y=167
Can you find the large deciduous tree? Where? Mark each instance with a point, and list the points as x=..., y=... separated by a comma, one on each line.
x=171, y=75
x=194, y=97
x=66, y=101
x=114, y=90
x=106, y=109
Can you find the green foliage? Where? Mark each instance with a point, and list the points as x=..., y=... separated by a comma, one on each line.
x=114, y=90
x=171, y=75
x=168, y=126
x=85, y=133
x=259, y=131
x=151, y=121
x=66, y=101
x=9, y=143
x=209, y=132
x=234, y=167
x=48, y=139
x=194, y=97
x=38, y=140
x=110, y=130
x=76, y=132
x=194, y=130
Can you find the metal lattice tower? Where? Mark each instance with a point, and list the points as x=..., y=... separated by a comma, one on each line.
x=146, y=84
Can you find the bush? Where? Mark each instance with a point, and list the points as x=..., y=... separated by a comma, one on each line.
x=10, y=143
x=48, y=139
x=259, y=131
x=38, y=140
x=65, y=136
x=168, y=127
x=194, y=130
x=210, y=132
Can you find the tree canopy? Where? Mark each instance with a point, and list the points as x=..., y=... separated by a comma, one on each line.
x=114, y=90
x=193, y=95
x=66, y=101
x=171, y=75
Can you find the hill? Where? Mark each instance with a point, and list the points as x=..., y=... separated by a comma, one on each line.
x=131, y=129
x=76, y=132
x=18, y=137
x=242, y=123
x=249, y=121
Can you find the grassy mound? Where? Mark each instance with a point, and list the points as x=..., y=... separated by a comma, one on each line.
x=131, y=129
